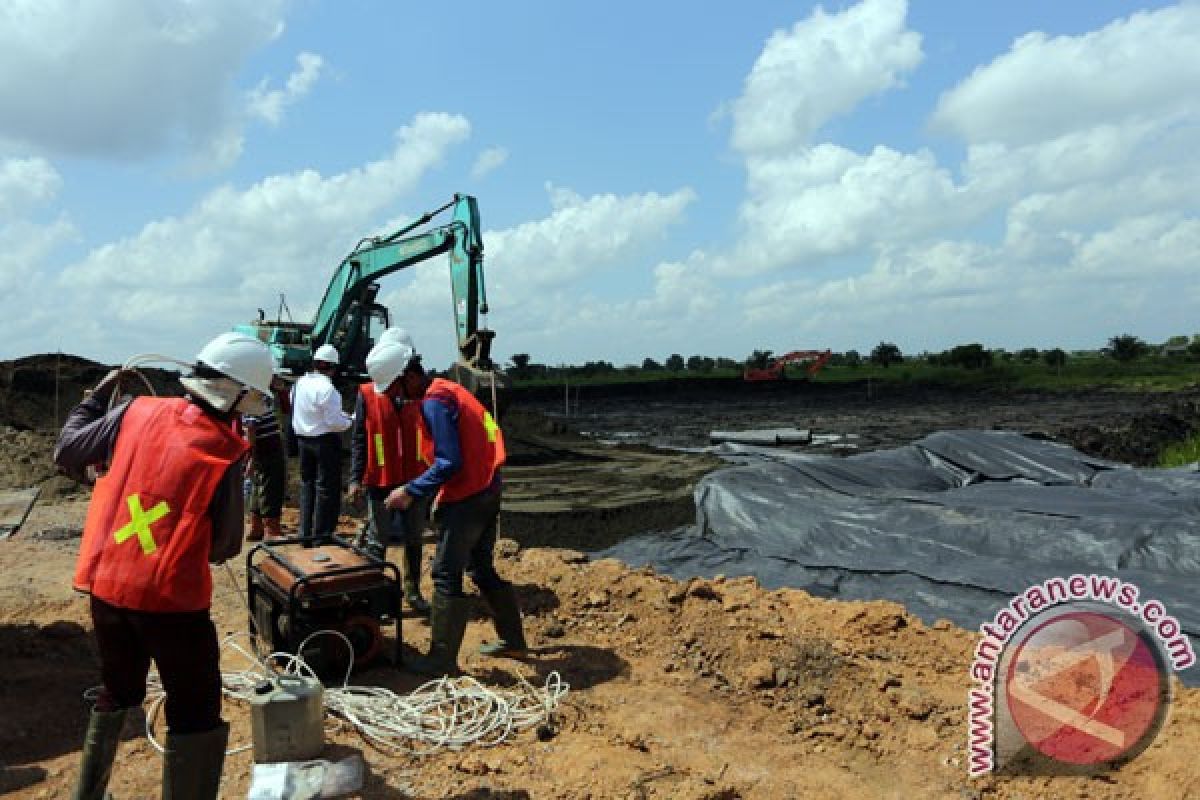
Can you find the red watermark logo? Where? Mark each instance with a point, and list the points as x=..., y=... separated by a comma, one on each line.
x=1073, y=676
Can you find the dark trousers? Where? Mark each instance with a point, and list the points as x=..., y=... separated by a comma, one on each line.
x=182, y=645
x=386, y=527
x=269, y=483
x=320, y=485
x=466, y=540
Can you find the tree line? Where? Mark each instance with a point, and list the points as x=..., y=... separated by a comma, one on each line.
x=1122, y=348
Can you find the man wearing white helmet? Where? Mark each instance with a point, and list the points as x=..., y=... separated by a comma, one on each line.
x=317, y=420
x=387, y=449
x=464, y=476
x=168, y=505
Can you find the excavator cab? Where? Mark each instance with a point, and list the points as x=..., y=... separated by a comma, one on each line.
x=365, y=319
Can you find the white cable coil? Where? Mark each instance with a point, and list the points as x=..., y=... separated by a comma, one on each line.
x=443, y=713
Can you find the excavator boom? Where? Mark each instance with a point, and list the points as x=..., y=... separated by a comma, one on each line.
x=350, y=292
x=348, y=315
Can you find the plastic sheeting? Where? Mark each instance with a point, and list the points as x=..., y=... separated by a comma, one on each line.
x=951, y=526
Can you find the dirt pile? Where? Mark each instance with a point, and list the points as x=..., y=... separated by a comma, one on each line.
x=712, y=689
x=1141, y=439
x=36, y=392
x=700, y=689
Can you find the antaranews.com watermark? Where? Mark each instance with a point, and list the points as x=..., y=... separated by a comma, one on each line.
x=1072, y=676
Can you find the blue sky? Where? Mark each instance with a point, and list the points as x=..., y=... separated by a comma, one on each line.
x=651, y=179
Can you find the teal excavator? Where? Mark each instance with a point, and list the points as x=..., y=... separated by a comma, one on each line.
x=350, y=319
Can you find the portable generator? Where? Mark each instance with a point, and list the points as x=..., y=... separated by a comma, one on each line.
x=295, y=591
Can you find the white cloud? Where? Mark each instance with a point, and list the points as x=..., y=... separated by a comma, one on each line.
x=269, y=104
x=182, y=278
x=806, y=200
x=829, y=200
x=823, y=67
x=125, y=78
x=538, y=273
x=488, y=161
x=1144, y=66
x=24, y=246
x=584, y=235
x=1095, y=191
x=26, y=183
x=29, y=307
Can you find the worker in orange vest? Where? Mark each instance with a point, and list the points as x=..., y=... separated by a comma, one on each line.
x=169, y=503
x=387, y=449
x=468, y=450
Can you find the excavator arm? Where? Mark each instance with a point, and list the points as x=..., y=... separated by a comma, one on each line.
x=348, y=313
x=351, y=292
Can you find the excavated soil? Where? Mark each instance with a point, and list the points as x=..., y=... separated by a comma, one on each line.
x=709, y=689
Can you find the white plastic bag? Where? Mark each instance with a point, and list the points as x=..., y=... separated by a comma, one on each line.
x=306, y=780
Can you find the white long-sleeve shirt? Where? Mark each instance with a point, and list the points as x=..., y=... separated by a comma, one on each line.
x=317, y=407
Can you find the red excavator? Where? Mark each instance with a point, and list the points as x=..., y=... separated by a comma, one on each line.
x=776, y=368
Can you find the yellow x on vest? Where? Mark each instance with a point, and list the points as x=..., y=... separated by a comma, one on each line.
x=490, y=426
x=140, y=522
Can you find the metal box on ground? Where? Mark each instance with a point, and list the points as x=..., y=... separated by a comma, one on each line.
x=287, y=716
x=294, y=591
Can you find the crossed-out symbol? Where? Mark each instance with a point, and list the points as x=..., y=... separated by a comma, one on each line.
x=140, y=522
x=490, y=426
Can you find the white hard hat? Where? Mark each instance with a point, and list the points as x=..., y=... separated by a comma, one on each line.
x=388, y=360
x=398, y=336
x=243, y=358
x=327, y=353
x=227, y=367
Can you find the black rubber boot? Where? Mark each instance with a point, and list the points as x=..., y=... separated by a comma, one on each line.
x=192, y=764
x=506, y=616
x=448, y=624
x=412, y=578
x=99, y=751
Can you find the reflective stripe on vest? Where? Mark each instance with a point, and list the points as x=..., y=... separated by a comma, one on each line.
x=169, y=458
x=416, y=447
x=480, y=441
x=422, y=456
x=384, y=467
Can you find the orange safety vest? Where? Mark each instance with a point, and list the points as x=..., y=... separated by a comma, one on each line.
x=148, y=532
x=480, y=441
x=384, y=447
x=416, y=449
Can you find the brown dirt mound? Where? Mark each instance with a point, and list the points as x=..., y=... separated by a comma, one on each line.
x=702, y=689
x=36, y=392
x=1141, y=440
x=710, y=689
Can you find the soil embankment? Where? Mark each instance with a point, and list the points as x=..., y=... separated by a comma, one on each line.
x=710, y=689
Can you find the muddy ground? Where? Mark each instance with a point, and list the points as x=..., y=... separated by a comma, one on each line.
x=702, y=689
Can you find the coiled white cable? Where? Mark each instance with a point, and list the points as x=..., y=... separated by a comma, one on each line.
x=443, y=713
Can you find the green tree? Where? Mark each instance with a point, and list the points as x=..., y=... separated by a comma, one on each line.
x=727, y=363
x=1029, y=355
x=759, y=359
x=650, y=365
x=885, y=354
x=1125, y=347
x=970, y=356
x=851, y=358
x=1055, y=358
x=675, y=362
x=520, y=366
